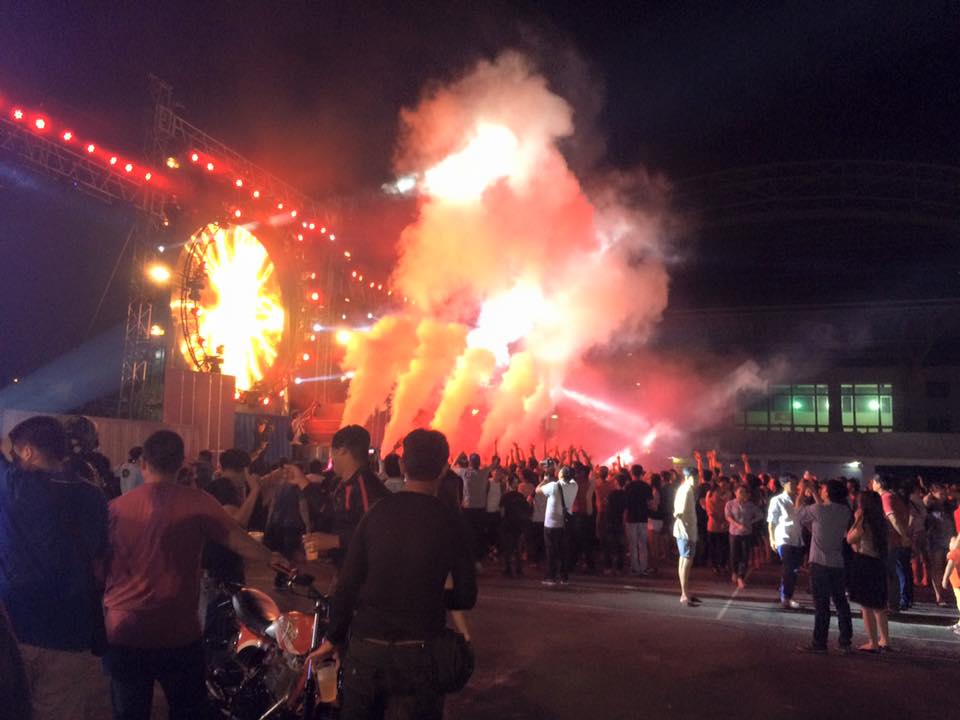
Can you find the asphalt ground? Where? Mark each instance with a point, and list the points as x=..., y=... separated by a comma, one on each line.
x=624, y=647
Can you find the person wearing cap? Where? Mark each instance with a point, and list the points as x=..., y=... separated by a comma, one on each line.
x=560, y=494
x=786, y=538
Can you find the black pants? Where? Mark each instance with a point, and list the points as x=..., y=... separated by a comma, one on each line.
x=585, y=541
x=903, y=569
x=180, y=672
x=535, y=543
x=510, y=548
x=477, y=525
x=398, y=681
x=740, y=554
x=719, y=547
x=826, y=584
x=614, y=547
x=557, y=553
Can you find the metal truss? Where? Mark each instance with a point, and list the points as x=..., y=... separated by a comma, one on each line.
x=86, y=174
x=913, y=193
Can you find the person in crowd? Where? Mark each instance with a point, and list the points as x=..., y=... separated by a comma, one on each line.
x=289, y=517
x=475, y=487
x=584, y=518
x=450, y=491
x=740, y=514
x=951, y=576
x=612, y=527
x=655, y=523
x=899, y=570
x=718, y=530
x=391, y=600
x=685, y=531
x=853, y=494
x=919, y=549
x=13, y=677
x=53, y=532
x=156, y=536
x=537, y=545
x=358, y=490
x=639, y=500
x=262, y=437
x=129, y=472
x=496, y=481
x=392, y=475
x=238, y=491
x=786, y=539
x=560, y=494
x=603, y=485
x=940, y=530
x=515, y=510
x=868, y=575
x=828, y=519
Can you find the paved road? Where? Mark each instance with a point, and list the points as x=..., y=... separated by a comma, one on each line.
x=624, y=648
x=599, y=650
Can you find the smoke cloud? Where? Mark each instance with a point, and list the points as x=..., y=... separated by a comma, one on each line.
x=513, y=271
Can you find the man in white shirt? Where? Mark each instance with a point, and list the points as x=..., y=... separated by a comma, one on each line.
x=786, y=538
x=685, y=531
x=560, y=495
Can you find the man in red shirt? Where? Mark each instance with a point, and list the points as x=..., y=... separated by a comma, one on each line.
x=899, y=556
x=157, y=533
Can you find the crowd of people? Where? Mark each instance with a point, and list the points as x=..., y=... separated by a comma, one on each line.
x=119, y=563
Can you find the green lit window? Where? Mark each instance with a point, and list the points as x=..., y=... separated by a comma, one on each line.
x=867, y=408
x=796, y=408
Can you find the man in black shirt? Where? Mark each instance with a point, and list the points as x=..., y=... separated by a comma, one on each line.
x=359, y=486
x=613, y=533
x=516, y=513
x=391, y=597
x=639, y=502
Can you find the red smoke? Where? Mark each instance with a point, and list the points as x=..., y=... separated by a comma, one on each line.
x=514, y=273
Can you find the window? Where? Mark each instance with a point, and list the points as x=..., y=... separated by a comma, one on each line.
x=796, y=408
x=867, y=408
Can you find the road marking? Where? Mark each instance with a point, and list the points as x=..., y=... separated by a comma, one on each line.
x=727, y=606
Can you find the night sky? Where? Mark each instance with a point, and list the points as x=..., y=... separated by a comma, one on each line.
x=311, y=90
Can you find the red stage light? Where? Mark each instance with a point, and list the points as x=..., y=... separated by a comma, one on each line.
x=113, y=160
x=323, y=230
x=332, y=237
x=306, y=357
x=304, y=224
x=40, y=123
x=256, y=193
x=315, y=296
x=239, y=182
x=128, y=167
x=346, y=253
x=266, y=401
x=210, y=166
x=360, y=278
x=354, y=273
x=237, y=213
x=279, y=206
x=312, y=226
x=300, y=237
x=194, y=157
x=313, y=276
x=372, y=284
x=293, y=213
x=148, y=176
x=18, y=114
x=68, y=136
x=91, y=147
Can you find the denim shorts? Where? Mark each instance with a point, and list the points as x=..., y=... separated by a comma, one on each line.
x=685, y=547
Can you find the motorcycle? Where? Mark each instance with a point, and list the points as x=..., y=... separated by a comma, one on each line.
x=258, y=666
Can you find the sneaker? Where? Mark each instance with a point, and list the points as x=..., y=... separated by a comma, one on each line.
x=811, y=648
x=846, y=649
x=564, y=581
x=548, y=582
x=956, y=629
x=790, y=605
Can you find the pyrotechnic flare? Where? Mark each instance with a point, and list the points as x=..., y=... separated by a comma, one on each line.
x=508, y=247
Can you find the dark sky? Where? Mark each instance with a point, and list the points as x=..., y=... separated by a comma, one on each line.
x=312, y=90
